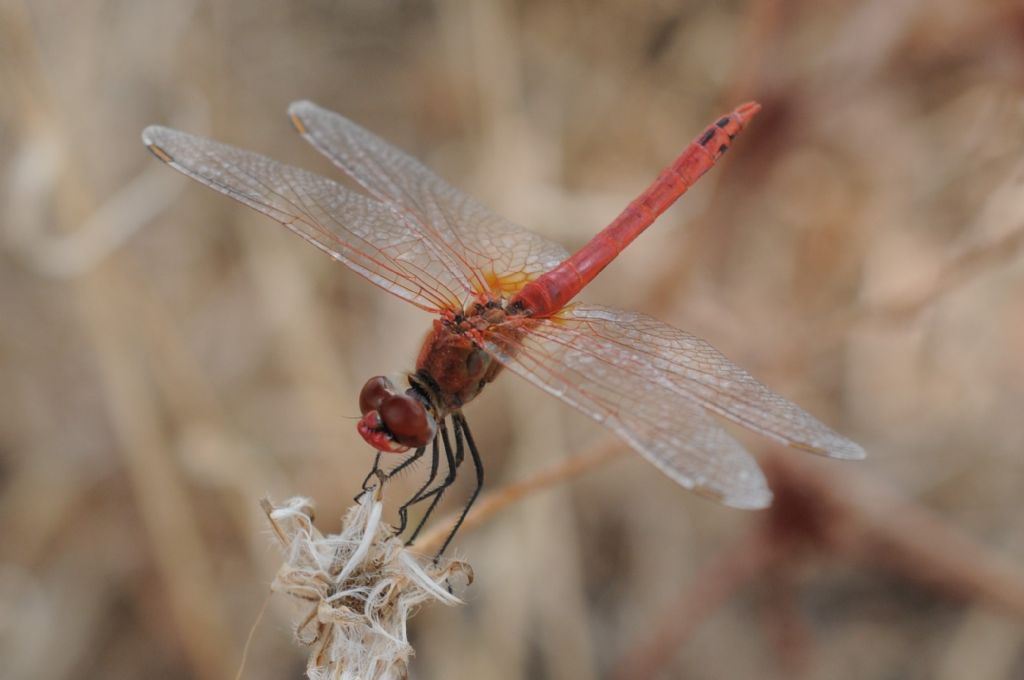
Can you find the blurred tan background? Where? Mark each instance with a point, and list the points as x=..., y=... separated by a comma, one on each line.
x=167, y=356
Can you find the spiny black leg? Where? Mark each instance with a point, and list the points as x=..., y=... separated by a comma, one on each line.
x=435, y=460
x=425, y=493
x=460, y=421
x=407, y=462
x=453, y=463
x=366, y=481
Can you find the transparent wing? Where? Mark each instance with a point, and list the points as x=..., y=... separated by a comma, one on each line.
x=630, y=394
x=653, y=385
x=368, y=236
x=496, y=255
x=693, y=368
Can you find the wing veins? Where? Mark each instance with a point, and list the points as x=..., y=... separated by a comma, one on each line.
x=438, y=245
x=670, y=430
x=297, y=214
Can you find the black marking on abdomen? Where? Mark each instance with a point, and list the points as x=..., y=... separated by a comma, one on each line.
x=723, y=148
x=722, y=122
x=706, y=137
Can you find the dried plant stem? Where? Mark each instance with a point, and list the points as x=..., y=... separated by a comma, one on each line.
x=188, y=583
x=251, y=635
x=493, y=502
x=876, y=524
x=961, y=269
x=850, y=515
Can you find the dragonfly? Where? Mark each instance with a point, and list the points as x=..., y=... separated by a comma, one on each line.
x=503, y=299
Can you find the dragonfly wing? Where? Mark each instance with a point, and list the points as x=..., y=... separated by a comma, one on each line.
x=693, y=368
x=365, y=234
x=621, y=389
x=497, y=255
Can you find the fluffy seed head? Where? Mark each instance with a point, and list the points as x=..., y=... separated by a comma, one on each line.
x=357, y=589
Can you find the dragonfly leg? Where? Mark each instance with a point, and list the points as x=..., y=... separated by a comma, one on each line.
x=460, y=422
x=453, y=462
x=366, y=481
x=376, y=469
x=407, y=462
x=435, y=461
x=459, y=448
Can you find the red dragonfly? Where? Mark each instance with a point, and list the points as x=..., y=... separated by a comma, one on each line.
x=501, y=295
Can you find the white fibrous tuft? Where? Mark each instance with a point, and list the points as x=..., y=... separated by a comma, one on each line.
x=358, y=589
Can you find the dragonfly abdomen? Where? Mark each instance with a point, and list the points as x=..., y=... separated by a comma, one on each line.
x=551, y=291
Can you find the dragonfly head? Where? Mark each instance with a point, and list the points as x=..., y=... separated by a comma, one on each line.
x=393, y=421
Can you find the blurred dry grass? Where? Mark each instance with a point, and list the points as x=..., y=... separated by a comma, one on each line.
x=167, y=357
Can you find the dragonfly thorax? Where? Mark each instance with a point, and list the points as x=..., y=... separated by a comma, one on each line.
x=451, y=370
x=453, y=360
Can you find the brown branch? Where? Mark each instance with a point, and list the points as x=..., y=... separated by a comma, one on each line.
x=961, y=269
x=855, y=514
x=840, y=511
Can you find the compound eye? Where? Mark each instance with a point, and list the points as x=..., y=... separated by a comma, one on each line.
x=374, y=392
x=407, y=420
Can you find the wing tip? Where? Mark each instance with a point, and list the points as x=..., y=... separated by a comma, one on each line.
x=297, y=123
x=748, y=492
x=755, y=499
x=848, y=450
x=296, y=110
x=151, y=137
x=301, y=104
x=150, y=132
